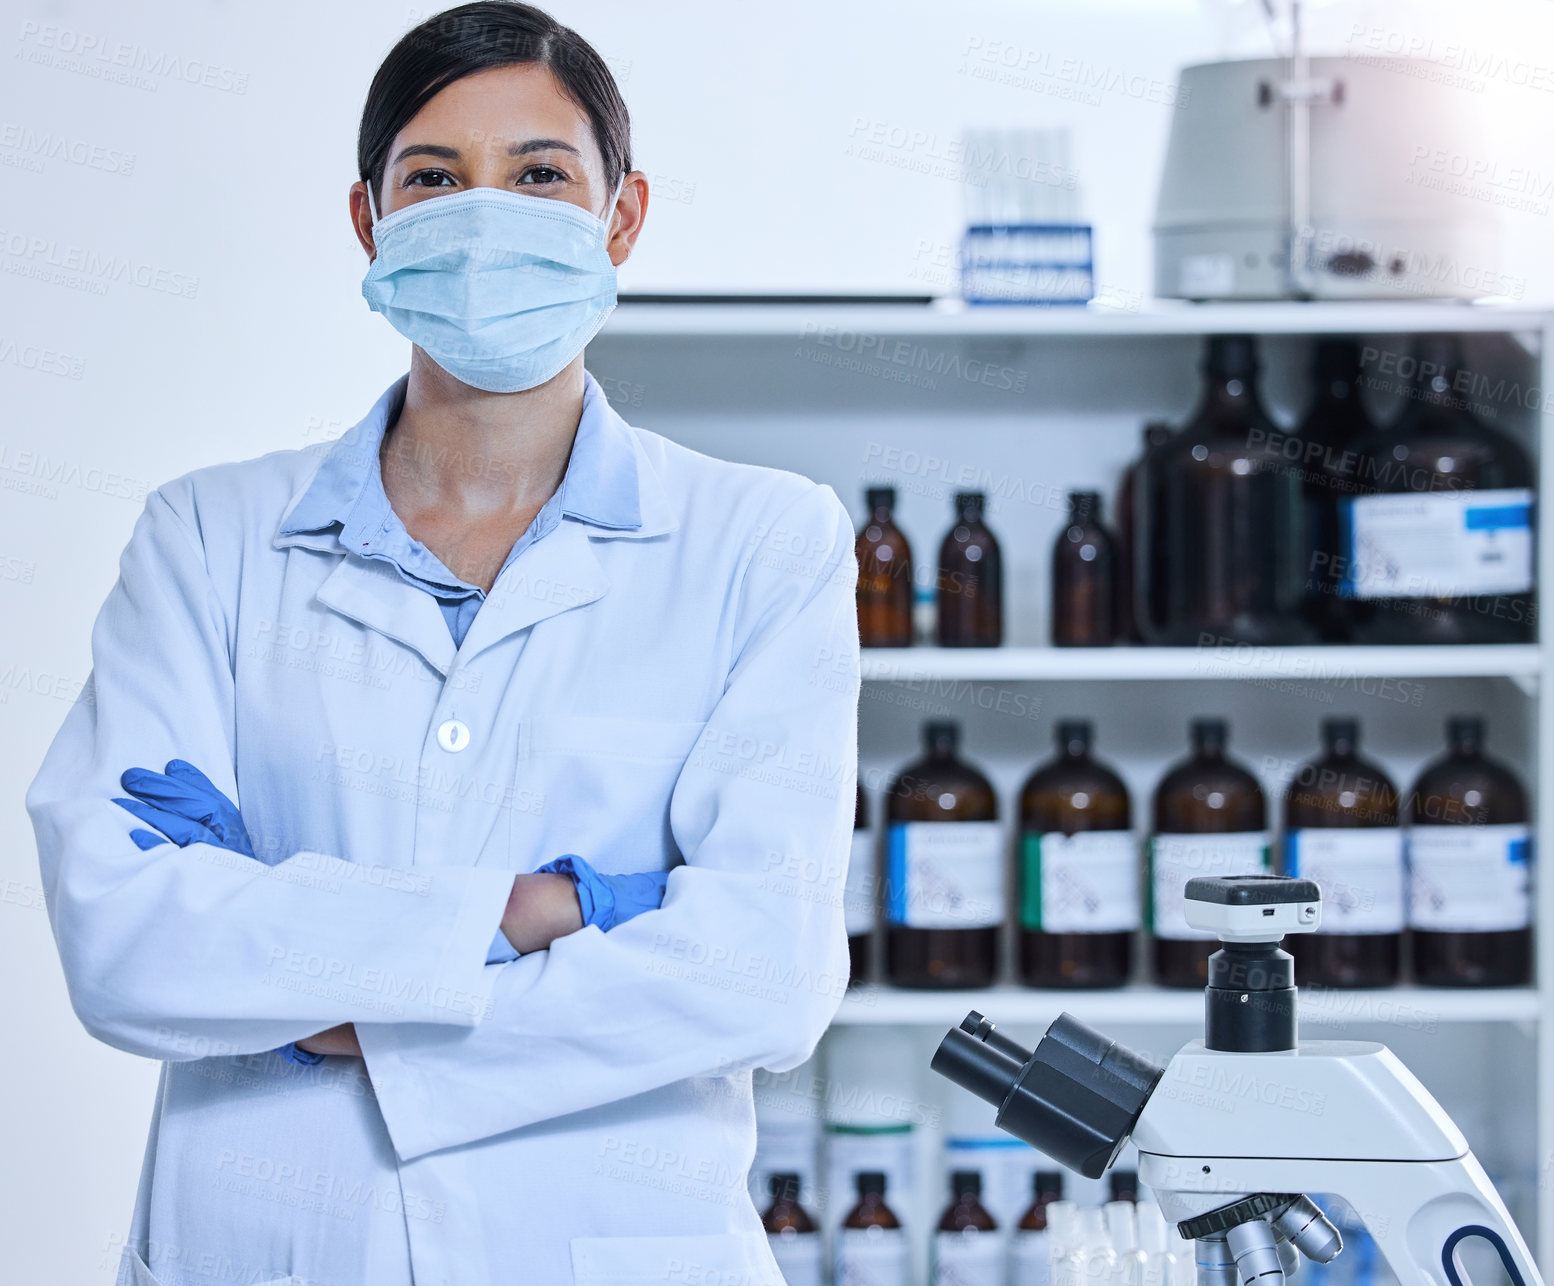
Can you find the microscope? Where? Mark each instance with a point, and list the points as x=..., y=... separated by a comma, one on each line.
x=1239, y=1126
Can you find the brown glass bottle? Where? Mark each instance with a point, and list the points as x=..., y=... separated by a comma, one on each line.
x=871, y=1210
x=970, y=590
x=1078, y=870
x=1156, y=434
x=1084, y=577
x=963, y=1253
x=1468, y=850
x=858, y=908
x=1030, y=1253
x=792, y=1235
x=944, y=870
x=884, y=575
x=785, y=1212
x=870, y=1245
x=1327, y=434
x=1046, y=1187
x=1210, y=818
x=1341, y=830
x=1427, y=558
x=966, y=1209
x=1230, y=516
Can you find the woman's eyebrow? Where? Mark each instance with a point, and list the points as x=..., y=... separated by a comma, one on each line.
x=443, y=152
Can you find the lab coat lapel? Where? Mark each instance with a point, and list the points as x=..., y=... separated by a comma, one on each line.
x=369, y=590
x=558, y=572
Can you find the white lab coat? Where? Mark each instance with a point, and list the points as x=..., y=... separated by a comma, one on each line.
x=684, y=688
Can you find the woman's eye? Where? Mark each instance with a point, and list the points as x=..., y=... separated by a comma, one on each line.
x=433, y=179
x=542, y=174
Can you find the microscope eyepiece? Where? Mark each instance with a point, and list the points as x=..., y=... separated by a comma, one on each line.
x=1076, y=1097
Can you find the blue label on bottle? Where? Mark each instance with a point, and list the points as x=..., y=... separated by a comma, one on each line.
x=1499, y=517
x=895, y=873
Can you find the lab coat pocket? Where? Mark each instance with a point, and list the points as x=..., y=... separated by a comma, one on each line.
x=599, y=785
x=133, y=1270
x=728, y=1258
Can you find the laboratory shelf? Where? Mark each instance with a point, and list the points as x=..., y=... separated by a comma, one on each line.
x=864, y=392
x=1323, y=1011
x=948, y=317
x=1311, y=664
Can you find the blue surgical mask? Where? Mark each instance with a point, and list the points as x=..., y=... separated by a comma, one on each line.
x=501, y=289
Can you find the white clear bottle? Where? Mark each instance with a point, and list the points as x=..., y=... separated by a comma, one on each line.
x=1122, y=1230
x=1098, y=1261
x=1186, y=1252
x=1063, y=1228
x=1154, y=1241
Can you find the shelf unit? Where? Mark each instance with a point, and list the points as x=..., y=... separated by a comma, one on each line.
x=854, y=395
x=874, y=1005
x=1519, y=662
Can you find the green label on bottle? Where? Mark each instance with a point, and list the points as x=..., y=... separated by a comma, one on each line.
x=1030, y=880
x=1082, y=883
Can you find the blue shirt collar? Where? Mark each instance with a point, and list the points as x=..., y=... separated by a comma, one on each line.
x=601, y=484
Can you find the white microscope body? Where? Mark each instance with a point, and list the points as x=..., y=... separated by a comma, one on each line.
x=1240, y=1125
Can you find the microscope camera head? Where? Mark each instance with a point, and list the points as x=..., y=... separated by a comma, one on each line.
x=1253, y=908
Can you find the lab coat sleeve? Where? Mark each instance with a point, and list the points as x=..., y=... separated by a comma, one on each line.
x=745, y=963
x=178, y=953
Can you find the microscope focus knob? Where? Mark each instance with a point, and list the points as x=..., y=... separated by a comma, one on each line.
x=1219, y=1222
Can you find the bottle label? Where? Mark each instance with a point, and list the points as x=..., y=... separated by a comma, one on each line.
x=872, y=1257
x=945, y=875
x=858, y=891
x=1084, y=883
x=1443, y=544
x=799, y=1256
x=970, y=1257
x=1030, y=1259
x=1360, y=869
x=1468, y=879
x=1175, y=859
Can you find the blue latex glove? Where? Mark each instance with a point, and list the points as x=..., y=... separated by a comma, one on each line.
x=188, y=808
x=605, y=900
x=609, y=900
x=185, y=805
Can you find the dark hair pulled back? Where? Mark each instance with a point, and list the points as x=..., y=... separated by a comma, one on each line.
x=475, y=37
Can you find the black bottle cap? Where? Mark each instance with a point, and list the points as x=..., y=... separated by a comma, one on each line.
x=1341, y=736
x=1230, y=356
x=1124, y=1185
x=1073, y=736
x=966, y=1183
x=965, y=500
x=941, y=736
x=880, y=498
x=1465, y=732
x=870, y=1183
x=1084, y=504
x=1336, y=361
x=1209, y=736
x=783, y=1184
x=1048, y=1183
x=1439, y=356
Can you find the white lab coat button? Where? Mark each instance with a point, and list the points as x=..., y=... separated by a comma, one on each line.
x=453, y=736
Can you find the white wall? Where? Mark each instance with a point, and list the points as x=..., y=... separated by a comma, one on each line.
x=180, y=286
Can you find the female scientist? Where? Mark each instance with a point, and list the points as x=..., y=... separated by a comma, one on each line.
x=491, y=626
